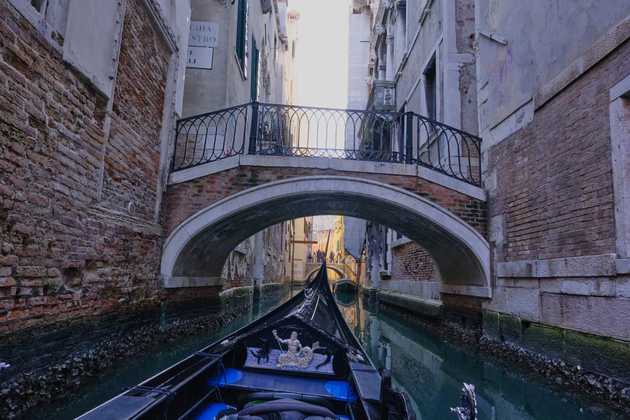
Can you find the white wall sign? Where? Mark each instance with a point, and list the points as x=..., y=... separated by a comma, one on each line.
x=200, y=58
x=203, y=34
x=201, y=42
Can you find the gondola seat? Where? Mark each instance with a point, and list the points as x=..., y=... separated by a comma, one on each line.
x=284, y=409
x=339, y=390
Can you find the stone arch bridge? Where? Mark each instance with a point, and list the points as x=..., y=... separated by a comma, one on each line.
x=241, y=170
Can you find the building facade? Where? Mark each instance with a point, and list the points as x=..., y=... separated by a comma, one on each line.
x=553, y=112
x=422, y=51
x=83, y=153
x=299, y=256
x=551, y=106
x=238, y=53
x=91, y=93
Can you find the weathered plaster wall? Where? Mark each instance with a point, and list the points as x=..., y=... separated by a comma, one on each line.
x=358, y=58
x=523, y=45
x=205, y=90
x=226, y=84
x=409, y=86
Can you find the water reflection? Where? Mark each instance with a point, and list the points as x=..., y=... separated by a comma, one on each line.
x=345, y=299
x=128, y=373
x=432, y=372
x=429, y=370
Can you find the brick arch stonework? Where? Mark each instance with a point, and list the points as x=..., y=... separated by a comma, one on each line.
x=208, y=216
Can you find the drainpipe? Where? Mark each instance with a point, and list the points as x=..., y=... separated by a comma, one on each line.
x=292, y=236
x=259, y=266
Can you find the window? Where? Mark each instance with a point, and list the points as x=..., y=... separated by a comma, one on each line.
x=241, y=33
x=49, y=17
x=382, y=60
x=430, y=89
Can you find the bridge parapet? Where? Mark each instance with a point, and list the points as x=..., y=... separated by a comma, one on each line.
x=288, y=130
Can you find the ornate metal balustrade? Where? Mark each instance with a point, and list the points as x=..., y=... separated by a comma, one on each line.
x=288, y=130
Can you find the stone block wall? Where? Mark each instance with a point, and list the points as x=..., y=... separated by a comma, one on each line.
x=78, y=231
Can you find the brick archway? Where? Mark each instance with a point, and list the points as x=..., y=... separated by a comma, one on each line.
x=196, y=249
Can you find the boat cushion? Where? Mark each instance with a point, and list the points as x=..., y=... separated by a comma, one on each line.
x=212, y=411
x=277, y=382
x=226, y=377
x=293, y=408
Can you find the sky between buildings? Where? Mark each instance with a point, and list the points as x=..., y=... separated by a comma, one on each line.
x=321, y=58
x=321, y=61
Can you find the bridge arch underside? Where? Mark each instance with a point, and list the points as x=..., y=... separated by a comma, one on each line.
x=195, y=252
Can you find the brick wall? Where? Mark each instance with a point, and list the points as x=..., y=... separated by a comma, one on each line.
x=554, y=177
x=185, y=199
x=63, y=252
x=411, y=262
x=133, y=150
x=554, y=200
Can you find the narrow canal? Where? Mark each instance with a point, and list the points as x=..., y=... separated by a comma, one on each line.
x=428, y=369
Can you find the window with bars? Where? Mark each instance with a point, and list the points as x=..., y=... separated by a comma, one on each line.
x=241, y=34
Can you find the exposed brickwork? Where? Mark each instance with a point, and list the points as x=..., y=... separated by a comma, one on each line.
x=185, y=199
x=412, y=262
x=63, y=253
x=133, y=149
x=555, y=176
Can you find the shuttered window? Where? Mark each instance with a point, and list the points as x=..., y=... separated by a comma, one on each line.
x=241, y=34
x=254, y=88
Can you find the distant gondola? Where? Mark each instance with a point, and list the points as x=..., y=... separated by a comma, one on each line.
x=300, y=360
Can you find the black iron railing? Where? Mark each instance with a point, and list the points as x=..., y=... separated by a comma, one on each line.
x=288, y=130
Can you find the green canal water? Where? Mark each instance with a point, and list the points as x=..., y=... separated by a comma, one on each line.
x=428, y=369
